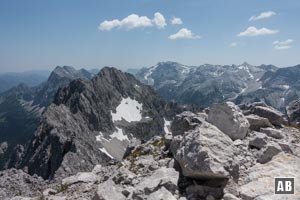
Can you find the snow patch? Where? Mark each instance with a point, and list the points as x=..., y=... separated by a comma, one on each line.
x=150, y=71
x=286, y=87
x=119, y=135
x=104, y=151
x=129, y=110
x=167, y=125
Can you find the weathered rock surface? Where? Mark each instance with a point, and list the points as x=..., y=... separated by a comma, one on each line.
x=267, y=153
x=15, y=182
x=229, y=119
x=260, y=182
x=271, y=132
x=205, y=152
x=258, y=140
x=257, y=122
x=273, y=115
x=293, y=113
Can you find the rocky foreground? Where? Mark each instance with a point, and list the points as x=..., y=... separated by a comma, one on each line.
x=228, y=152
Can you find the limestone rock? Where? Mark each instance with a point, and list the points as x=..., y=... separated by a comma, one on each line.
x=271, y=132
x=229, y=119
x=260, y=181
x=205, y=152
x=257, y=122
x=267, y=153
x=258, y=141
x=161, y=194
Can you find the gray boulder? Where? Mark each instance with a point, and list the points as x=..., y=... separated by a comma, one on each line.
x=266, y=154
x=271, y=132
x=257, y=122
x=273, y=115
x=258, y=140
x=229, y=119
x=205, y=152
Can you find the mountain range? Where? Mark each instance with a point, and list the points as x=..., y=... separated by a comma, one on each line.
x=207, y=84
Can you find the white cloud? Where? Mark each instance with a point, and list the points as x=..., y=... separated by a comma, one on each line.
x=134, y=21
x=233, y=44
x=262, y=15
x=183, y=34
x=253, y=31
x=159, y=20
x=281, y=45
x=176, y=21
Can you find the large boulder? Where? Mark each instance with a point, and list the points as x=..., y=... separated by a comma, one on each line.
x=206, y=152
x=257, y=122
x=229, y=119
x=293, y=113
x=274, y=116
x=259, y=184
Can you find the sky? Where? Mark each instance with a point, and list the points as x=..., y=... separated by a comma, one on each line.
x=37, y=34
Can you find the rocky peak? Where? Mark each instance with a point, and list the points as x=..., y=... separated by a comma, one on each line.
x=92, y=122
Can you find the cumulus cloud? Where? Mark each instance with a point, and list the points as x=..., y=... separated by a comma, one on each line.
x=184, y=34
x=159, y=20
x=176, y=21
x=233, y=44
x=134, y=21
x=281, y=45
x=262, y=15
x=253, y=31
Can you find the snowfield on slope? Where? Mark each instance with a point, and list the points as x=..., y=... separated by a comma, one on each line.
x=129, y=110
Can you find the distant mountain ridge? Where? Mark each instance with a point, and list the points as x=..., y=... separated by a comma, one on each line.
x=205, y=84
x=30, y=78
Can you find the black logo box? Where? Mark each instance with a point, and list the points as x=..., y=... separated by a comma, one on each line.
x=284, y=185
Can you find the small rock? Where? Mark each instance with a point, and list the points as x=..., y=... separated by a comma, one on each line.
x=271, y=132
x=161, y=194
x=258, y=140
x=266, y=154
x=257, y=122
x=81, y=177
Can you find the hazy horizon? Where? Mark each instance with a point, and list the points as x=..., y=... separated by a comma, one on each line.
x=39, y=35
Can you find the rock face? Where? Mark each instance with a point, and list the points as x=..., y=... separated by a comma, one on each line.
x=229, y=119
x=293, y=113
x=260, y=182
x=92, y=122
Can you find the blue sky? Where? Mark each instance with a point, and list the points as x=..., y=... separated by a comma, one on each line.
x=37, y=34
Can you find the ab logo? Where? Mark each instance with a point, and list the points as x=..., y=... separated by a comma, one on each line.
x=284, y=186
